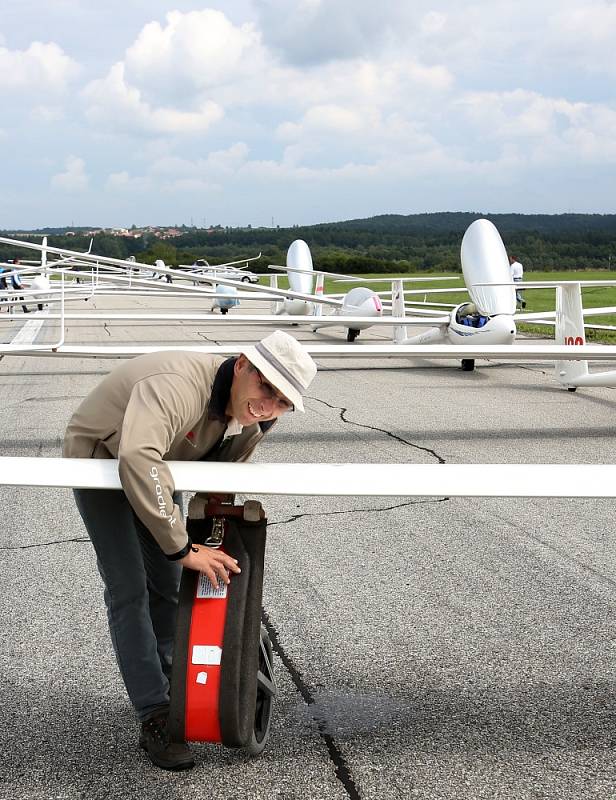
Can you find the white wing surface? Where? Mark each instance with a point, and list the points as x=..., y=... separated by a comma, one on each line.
x=375, y=480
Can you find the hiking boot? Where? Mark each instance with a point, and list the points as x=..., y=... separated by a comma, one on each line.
x=162, y=752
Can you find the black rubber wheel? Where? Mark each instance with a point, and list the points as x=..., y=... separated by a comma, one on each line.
x=352, y=334
x=245, y=279
x=571, y=388
x=224, y=310
x=266, y=693
x=468, y=364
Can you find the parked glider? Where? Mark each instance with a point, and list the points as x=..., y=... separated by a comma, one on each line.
x=487, y=318
x=357, y=309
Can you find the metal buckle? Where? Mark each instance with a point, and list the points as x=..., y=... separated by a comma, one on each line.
x=215, y=539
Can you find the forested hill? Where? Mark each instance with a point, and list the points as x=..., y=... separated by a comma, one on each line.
x=386, y=243
x=458, y=222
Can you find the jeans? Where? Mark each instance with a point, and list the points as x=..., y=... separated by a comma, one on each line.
x=141, y=595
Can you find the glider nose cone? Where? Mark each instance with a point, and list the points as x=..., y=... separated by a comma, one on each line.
x=361, y=302
x=504, y=329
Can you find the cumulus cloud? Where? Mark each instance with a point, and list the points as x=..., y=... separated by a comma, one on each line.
x=42, y=67
x=491, y=41
x=330, y=118
x=545, y=129
x=584, y=33
x=122, y=182
x=374, y=108
x=74, y=178
x=308, y=32
x=177, y=77
x=216, y=165
x=186, y=74
x=169, y=174
x=594, y=21
x=196, y=51
x=114, y=104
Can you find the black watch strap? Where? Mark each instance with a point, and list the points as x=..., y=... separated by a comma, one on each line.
x=181, y=553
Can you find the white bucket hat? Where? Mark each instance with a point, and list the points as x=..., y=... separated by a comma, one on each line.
x=284, y=363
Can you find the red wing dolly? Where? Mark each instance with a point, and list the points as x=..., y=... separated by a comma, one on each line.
x=222, y=683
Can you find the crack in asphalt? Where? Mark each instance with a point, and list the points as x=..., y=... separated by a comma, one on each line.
x=393, y=436
x=38, y=399
x=46, y=544
x=343, y=772
x=54, y=374
x=295, y=517
x=530, y=368
x=207, y=338
x=290, y=519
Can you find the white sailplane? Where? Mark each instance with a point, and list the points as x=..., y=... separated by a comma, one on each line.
x=357, y=309
x=226, y=296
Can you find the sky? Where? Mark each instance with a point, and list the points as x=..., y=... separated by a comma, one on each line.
x=294, y=112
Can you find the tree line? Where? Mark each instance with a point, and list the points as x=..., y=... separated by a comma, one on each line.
x=388, y=243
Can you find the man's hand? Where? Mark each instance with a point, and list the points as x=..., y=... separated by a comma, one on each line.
x=213, y=563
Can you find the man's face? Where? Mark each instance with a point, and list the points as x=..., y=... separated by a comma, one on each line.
x=253, y=398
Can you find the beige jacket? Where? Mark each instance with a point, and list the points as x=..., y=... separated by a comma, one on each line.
x=165, y=406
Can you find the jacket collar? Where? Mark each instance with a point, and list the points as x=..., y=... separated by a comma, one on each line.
x=221, y=390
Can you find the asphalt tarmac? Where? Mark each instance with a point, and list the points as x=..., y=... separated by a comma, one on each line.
x=424, y=648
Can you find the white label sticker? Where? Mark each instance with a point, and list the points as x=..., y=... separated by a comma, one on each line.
x=202, y=677
x=209, y=654
x=205, y=588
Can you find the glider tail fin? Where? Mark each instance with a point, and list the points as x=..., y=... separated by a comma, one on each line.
x=276, y=305
x=570, y=331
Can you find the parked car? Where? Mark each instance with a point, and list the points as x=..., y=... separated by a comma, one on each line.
x=228, y=273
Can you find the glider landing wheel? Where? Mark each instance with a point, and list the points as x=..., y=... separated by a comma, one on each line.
x=352, y=334
x=468, y=364
x=266, y=692
x=571, y=388
x=224, y=310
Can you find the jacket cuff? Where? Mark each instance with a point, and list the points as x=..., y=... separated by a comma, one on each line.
x=181, y=553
